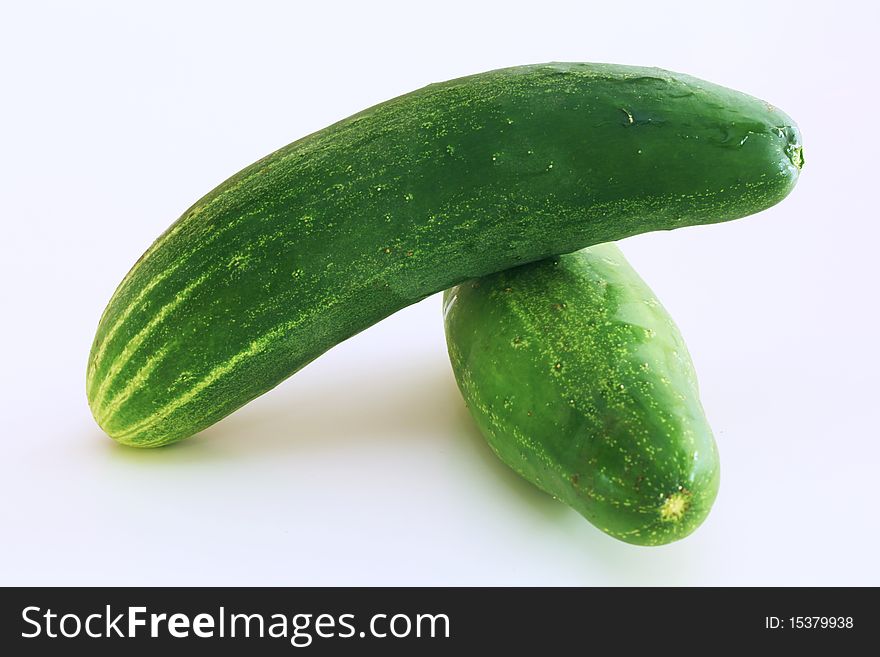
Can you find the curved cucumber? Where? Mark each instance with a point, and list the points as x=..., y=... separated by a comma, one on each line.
x=336, y=231
x=580, y=382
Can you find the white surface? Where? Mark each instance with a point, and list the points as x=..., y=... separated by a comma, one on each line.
x=365, y=468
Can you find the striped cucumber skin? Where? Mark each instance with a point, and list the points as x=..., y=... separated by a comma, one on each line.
x=581, y=382
x=336, y=231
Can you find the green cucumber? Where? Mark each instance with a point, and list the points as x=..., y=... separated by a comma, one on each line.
x=580, y=382
x=336, y=231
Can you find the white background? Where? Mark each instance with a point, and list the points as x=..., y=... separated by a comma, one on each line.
x=365, y=468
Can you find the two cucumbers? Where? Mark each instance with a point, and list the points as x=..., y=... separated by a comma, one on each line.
x=456, y=181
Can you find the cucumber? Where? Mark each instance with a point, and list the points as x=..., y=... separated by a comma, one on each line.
x=336, y=231
x=580, y=382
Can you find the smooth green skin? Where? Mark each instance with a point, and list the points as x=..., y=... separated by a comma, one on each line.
x=580, y=381
x=338, y=230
